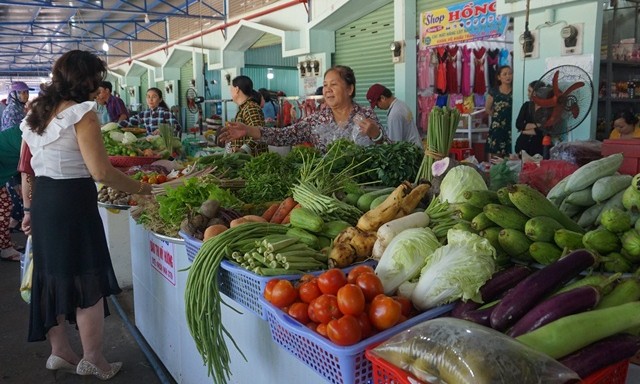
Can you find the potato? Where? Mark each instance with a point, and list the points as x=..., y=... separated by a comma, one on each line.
x=213, y=230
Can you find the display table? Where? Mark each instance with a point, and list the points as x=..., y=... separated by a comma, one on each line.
x=158, y=293
x=116, y=229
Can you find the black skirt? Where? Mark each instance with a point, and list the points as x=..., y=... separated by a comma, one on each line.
x=72, y=265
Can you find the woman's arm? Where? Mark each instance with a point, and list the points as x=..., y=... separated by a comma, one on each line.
x=521, y=121
x=488, y=105
x=97, y=161
x=27, y=179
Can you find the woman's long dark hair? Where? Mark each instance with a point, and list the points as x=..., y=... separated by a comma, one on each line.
x=158, y=92
x=75, y=75
x=243, y=83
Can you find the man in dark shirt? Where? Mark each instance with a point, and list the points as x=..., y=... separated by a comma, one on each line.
x=115, y=106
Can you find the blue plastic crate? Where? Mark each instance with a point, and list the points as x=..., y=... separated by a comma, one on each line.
x=339, y=365
x=245, y=287
x=192, y=244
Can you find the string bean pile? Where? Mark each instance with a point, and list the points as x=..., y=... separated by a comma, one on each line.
x=442, y=126
x=203, y=300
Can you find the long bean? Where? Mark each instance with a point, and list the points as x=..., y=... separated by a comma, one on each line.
x=203, y=300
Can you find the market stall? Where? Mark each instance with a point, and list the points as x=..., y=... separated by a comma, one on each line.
x=201, y=253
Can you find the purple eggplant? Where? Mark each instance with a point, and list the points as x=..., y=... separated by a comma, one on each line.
x=479, y=316
x=538, y=285
x=603, y=353
x=563, y=304
x=497, y=285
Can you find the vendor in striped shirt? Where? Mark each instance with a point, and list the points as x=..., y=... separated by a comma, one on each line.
x=157, y=113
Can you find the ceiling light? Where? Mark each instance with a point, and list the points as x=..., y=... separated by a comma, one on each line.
x=270, y=74
x=105, y=46
x=50, y=75
x=146, y=19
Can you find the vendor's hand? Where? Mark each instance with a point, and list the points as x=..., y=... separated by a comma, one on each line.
x=369, y=128
x=232, y=131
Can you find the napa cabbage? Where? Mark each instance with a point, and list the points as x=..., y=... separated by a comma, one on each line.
x=455, y=271
x=459, y=180
x=405, y=256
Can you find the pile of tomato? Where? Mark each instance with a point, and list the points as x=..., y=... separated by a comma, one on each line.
x=346, y=308
x=150, y=177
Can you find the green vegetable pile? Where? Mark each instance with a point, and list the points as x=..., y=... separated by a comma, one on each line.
x=179, y=202
x=390, y=164
x=269, y=176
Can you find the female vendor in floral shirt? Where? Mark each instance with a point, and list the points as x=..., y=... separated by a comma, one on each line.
x=157, y=113
x=343, y=119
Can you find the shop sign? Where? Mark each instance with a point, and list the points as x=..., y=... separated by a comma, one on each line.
x=474, y=20
x=162, y=258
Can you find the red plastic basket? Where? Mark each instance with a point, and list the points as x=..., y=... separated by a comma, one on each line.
x=337, y=364
x=387, y=373
x=130, y=161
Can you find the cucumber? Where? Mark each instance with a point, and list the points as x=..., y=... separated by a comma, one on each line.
x=506, y=217
x=304, y=237
x=582, y=198
x=565, y=238
x=524, y=296
x=570, y=209
x=306, y=219
x=544, y=253
x=514, y=242
x=541, y=228
x=481, y=197
x=602, y=241
x=586, y=175
x=608, y=186
x=626, y=291
x=331, y=229
x=503, y=197
x=614, y=202
x=467, y=211
x=533, y=203
x=557, y=193
x=492, y=234
x=352, y=198
x=481, y=221
x=377, y=201
x=364, y=201
x=589, y=216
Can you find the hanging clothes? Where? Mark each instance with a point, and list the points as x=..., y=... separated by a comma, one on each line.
x=504, y=57
x=426, y=104
x=465, y=78
x=493, y=57
x=479, y=82
x=452, y=69
x=424, y=61
x=442, y=100
x=441, y=72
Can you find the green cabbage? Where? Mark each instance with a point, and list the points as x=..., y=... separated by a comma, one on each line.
x=459, y=180
x=405, y=256
x=456, y=270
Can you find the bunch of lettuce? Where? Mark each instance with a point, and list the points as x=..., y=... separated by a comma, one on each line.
x=405, y=256
x=455, y=271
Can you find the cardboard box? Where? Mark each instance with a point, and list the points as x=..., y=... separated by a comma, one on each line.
x=630, y=149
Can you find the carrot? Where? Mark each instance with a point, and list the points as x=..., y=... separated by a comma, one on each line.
x=268, y=214
x=285, y=207
x=288, y=217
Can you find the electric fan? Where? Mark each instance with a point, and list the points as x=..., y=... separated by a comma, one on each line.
x=562, y=99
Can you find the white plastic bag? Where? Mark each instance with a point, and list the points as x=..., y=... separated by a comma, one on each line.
x=454, y=351
x=26, y=272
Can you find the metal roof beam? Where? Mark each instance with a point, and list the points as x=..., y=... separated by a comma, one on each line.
x=92, y=6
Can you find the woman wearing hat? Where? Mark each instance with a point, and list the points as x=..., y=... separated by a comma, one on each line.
x=16, y=105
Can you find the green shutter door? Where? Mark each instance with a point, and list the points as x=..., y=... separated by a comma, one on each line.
x=187, y=119
x=364, y=46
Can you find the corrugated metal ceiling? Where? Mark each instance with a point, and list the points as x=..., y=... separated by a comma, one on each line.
x=33, y=33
